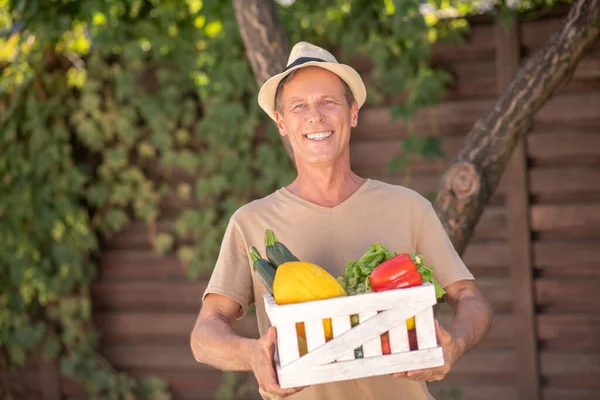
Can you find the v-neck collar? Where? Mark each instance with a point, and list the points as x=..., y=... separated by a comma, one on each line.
x=323, y=209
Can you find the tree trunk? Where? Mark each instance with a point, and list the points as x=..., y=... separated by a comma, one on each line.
x=473, y=176
x=265, y=41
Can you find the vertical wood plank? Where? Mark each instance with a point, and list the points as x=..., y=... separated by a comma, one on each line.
x=50, y=380
x=315, y=335
x=371, y=347
x=341, y=325
x=399, y=339
x=287, y=343
x=519, y=232
x=425, y=328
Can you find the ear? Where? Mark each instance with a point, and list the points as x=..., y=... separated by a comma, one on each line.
x=280, y=125
x=354, y=114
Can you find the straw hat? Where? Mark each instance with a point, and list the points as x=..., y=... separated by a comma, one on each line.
x=304, y=54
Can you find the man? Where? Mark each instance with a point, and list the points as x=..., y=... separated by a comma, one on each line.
x=328, y=216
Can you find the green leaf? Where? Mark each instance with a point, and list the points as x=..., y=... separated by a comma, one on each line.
x=401, y=110
x=188, y=161
x=507, y=17
x=16, y=355
x=431, y=196
x=427, y=274
x=90, y=102
x=51, y=348
x=31, y=334
x=185, y=254
x=432, y=148
x=98, y=194
x=413, y=143
x=85, y=308
x=123, y=85
x=89, y=134
x=160, y=136
x=153, y=388
x=114, y=220
x=398, y=163
x=116, y=158
x=163, y=242
x=194, y=268
x=68, y=365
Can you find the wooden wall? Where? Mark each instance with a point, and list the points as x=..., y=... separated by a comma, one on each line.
x=535, y=252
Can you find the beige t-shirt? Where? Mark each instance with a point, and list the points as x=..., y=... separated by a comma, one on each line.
x=397, y=217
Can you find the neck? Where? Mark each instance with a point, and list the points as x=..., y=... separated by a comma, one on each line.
x=326, y=186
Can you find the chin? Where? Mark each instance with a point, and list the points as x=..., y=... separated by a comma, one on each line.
x=322, y=161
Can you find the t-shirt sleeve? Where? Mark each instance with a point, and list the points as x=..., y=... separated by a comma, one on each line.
x=435, y=246
x=231, y=276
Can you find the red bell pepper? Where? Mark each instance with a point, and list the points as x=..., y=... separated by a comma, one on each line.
x=397, y=272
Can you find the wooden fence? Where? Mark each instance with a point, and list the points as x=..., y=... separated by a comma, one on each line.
x=535, y=253
x=535, y=248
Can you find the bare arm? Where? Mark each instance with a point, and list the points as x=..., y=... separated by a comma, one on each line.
x=472, y=320
x=472, y=314
x=214, y=342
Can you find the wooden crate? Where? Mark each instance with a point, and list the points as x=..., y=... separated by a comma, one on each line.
x=334, y=360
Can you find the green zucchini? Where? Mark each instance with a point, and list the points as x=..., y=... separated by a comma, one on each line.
x=277, y=252
x=263, y=269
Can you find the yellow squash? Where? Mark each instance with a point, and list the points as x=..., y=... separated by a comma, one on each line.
x=300, y=281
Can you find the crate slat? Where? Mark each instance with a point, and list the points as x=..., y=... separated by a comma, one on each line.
x=341, y=325
x=315, y=336
x=287, y=343
x=399, y=339
x=426, y=338
x=371, y=347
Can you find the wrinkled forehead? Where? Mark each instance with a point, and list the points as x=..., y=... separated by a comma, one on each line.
x=312, y=81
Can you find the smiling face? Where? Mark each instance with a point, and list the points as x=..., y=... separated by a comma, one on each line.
x=317, y=118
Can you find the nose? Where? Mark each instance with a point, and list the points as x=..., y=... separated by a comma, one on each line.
x=315, y=115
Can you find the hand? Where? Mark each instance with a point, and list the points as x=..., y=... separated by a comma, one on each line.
x=263, y=366
x=452, y=352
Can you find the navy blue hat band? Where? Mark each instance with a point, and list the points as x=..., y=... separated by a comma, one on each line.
x=302, y=60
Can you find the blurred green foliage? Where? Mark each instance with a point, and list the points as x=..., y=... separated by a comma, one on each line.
x=110, y=107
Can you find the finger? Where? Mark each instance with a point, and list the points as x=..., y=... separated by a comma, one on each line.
x=269, y=342
x=419, y=377
x=275, y=389
x=271, y=335
x=400, y=374
x=435, y=378
x=421, y=373
x=427, y=374
x=298, y=389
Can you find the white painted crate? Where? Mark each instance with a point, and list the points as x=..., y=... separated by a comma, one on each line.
x=334, y=360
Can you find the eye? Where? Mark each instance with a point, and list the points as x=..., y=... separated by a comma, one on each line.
x=328, y=101
x=297, y=106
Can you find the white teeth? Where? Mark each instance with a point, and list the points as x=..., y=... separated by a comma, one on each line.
x=319, y=135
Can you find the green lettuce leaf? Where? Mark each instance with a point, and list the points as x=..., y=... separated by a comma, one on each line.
x=355, y=278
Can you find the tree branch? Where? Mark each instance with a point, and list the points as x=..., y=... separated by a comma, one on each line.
x=473, y=175
x=265, y=41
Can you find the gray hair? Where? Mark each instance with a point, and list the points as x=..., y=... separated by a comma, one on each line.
x=279, y=92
